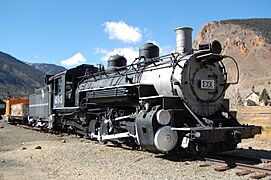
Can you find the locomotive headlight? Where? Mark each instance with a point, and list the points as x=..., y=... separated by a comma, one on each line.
x=197, y=134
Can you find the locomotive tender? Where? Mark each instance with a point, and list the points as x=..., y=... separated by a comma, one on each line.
x=158, y=103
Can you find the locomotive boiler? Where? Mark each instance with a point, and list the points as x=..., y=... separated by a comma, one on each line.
x=158, y=103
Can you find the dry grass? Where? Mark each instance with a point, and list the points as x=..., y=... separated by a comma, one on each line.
x=256, y=115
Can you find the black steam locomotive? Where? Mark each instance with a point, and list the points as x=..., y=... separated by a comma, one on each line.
x=158, y=103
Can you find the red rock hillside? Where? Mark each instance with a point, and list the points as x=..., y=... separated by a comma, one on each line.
x=247, y=41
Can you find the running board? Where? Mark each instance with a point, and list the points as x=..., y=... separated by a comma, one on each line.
x=111, y=136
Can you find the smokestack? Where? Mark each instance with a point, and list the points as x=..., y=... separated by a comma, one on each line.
x=184, y=40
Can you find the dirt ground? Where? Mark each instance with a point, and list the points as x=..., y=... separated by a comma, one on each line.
x=28, y=154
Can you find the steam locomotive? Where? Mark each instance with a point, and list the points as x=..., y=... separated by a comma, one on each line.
x=157, y=103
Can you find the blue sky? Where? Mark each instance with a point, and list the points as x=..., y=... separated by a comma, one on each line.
x=71, y=32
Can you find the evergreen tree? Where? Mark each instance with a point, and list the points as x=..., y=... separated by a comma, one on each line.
x=253, y=89
x=264, y=95
x=239, y=98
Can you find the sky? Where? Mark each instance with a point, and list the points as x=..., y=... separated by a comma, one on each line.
x=74, y=32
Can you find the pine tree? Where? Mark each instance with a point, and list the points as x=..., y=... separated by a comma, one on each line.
x=264, y=95
x=239, y=98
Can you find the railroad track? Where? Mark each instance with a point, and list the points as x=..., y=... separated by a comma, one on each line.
x=28, y=127
x=246, y=163
x=260, y=167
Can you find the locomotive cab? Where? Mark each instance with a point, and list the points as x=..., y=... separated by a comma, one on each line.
x=65, y=85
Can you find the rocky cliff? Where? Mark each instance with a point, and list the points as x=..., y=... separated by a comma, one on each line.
x=247, y=41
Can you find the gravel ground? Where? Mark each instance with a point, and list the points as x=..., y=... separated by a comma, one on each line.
x=69, y=157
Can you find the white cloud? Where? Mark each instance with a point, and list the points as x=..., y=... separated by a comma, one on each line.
x=129, y=53
x=76, y=59
x=121, y=31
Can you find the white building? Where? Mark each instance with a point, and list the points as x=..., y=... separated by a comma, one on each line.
x=252, y=99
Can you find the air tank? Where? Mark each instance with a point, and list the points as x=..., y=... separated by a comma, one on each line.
x=184, y=40
x=149, y=50
x=116, y=61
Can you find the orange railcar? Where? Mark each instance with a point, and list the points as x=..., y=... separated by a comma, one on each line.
x=16, y=108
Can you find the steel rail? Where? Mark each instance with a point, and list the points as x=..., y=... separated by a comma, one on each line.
x=250, y=158
x=232, y=164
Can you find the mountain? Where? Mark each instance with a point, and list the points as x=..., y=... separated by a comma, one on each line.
x=248, y=41
x=17, y=78
x=49, y=69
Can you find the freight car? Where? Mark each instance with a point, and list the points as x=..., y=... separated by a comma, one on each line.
x=158, y=103
x=17, y=110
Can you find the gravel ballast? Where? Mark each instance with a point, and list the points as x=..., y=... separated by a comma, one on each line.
x=70, y=157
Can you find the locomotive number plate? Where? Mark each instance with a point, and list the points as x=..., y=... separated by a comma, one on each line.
x=207, y=84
